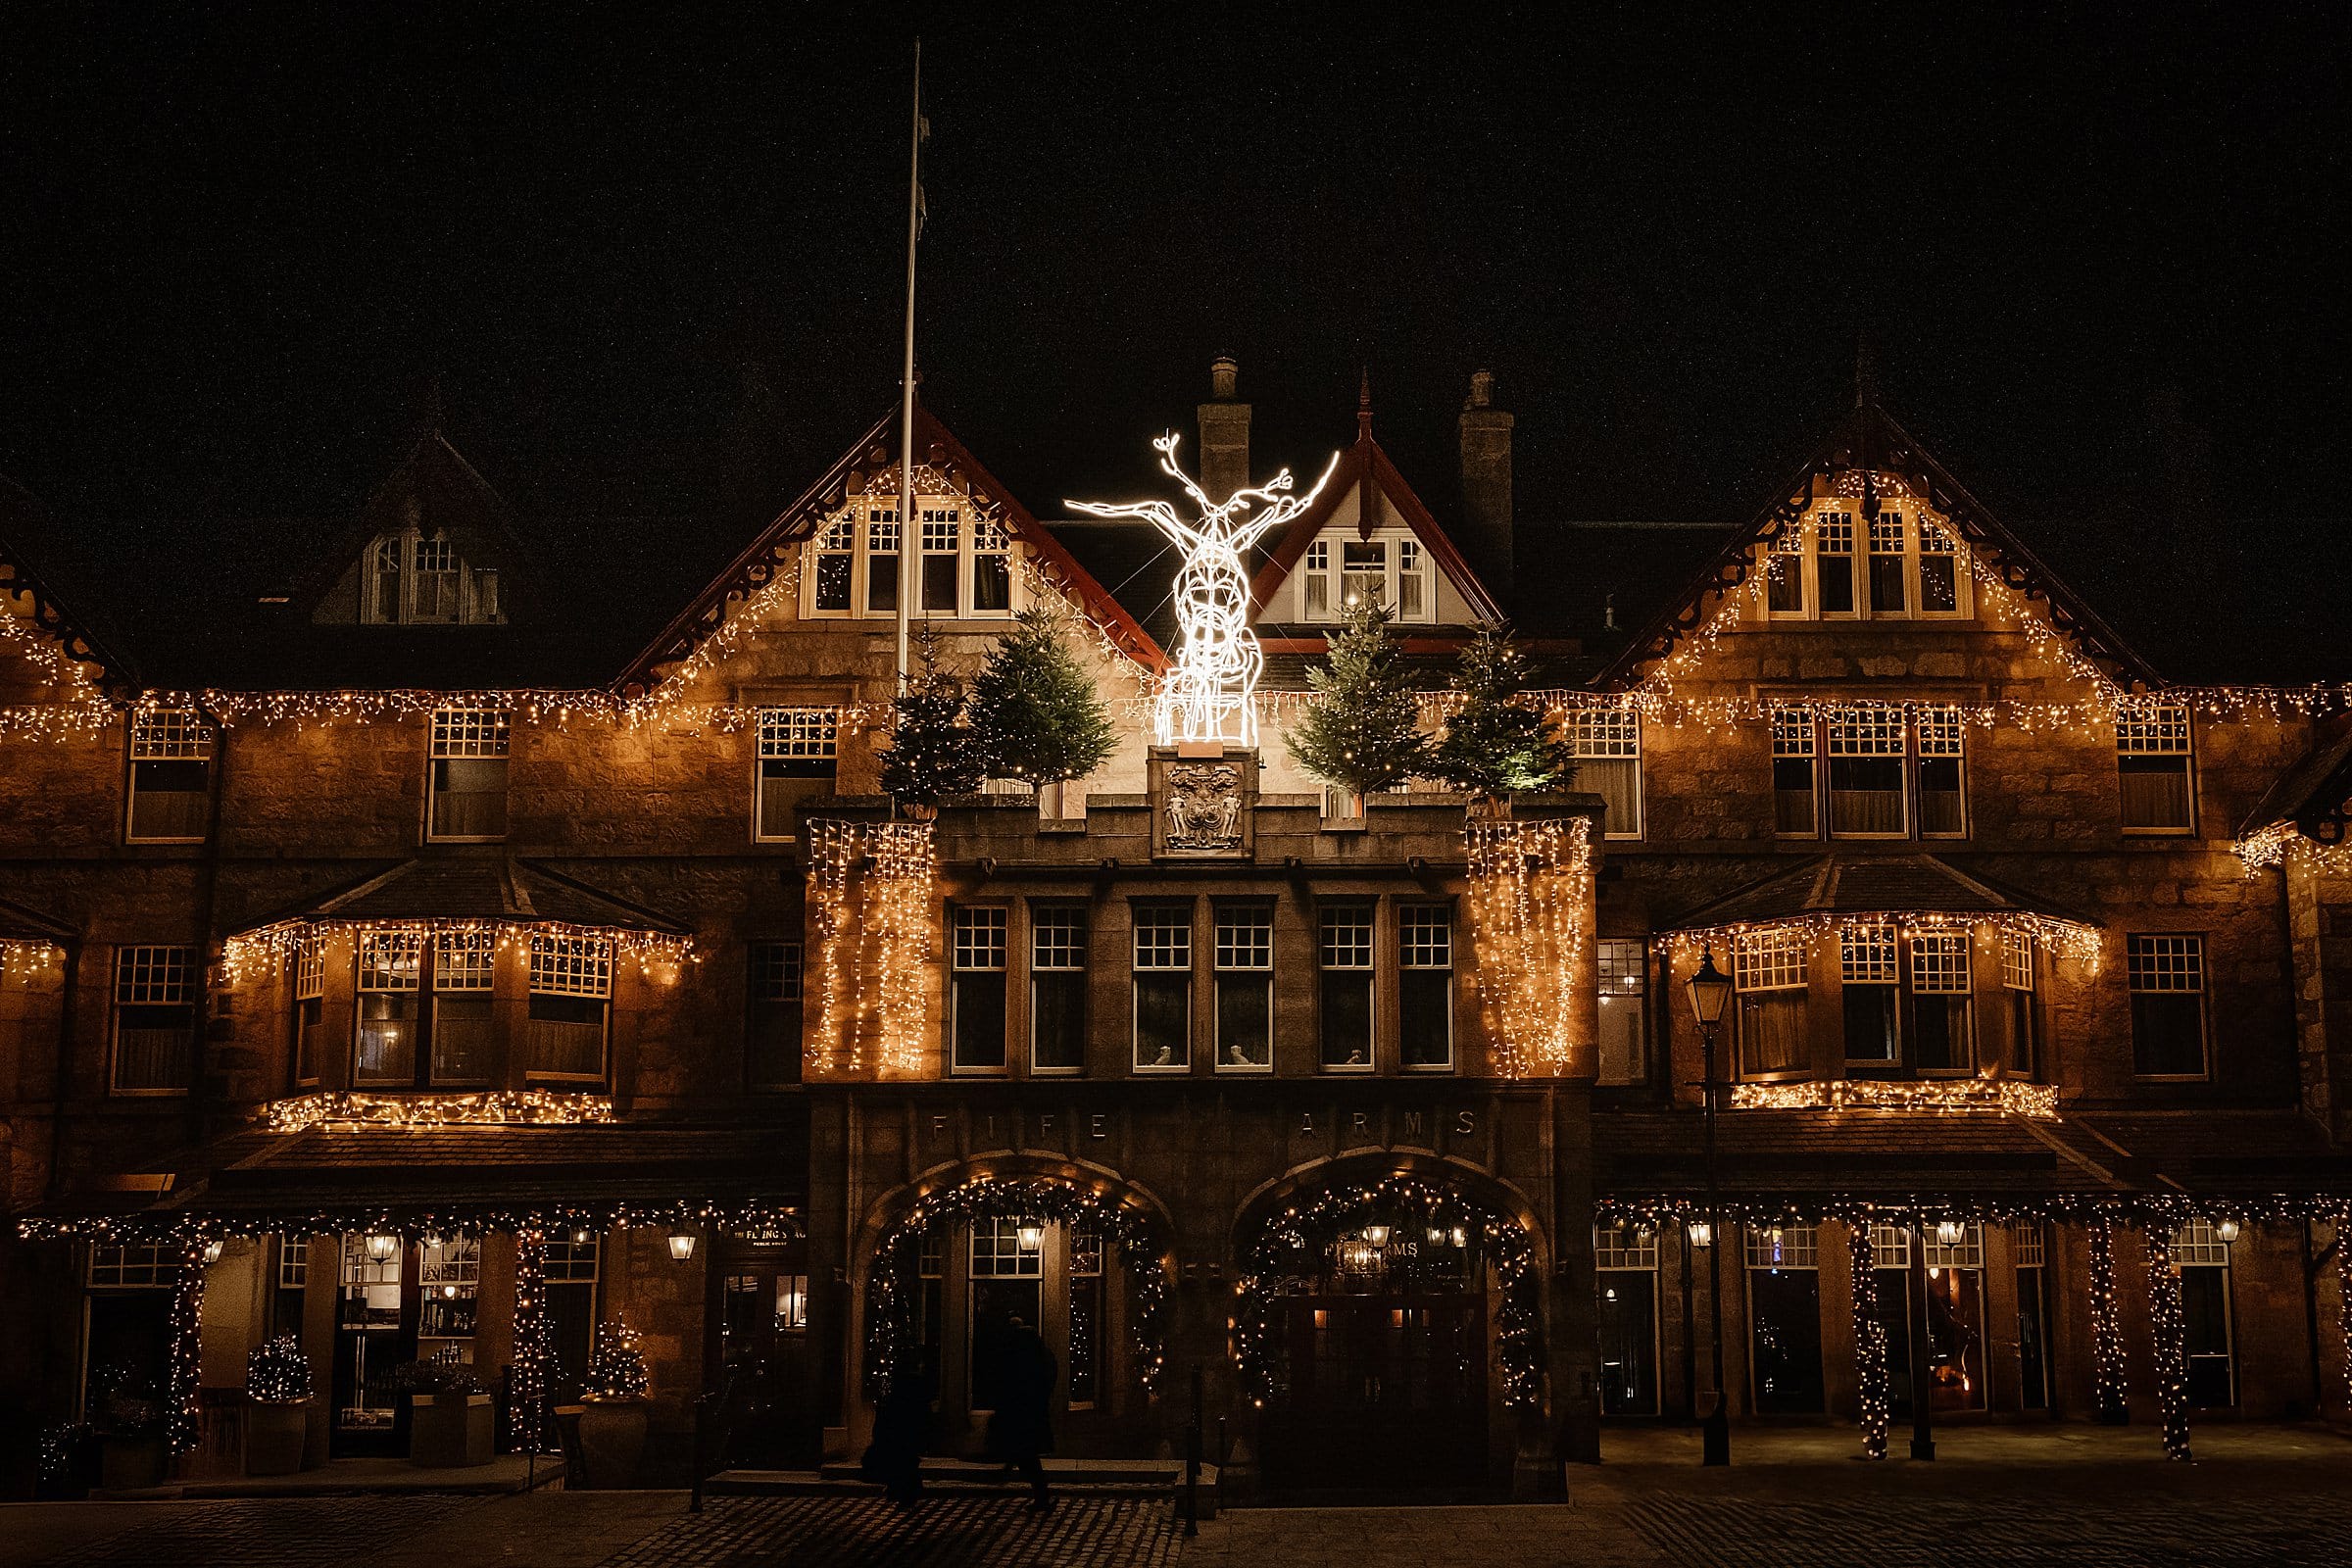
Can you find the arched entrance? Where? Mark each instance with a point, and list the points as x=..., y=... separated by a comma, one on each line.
x=1386, y=1327
x=962, y=1263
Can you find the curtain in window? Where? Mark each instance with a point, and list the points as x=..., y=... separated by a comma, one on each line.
x=1618, y=781
x=154, y=1049
x=2155, y=791
x=1772, y=1031
x=470, y=801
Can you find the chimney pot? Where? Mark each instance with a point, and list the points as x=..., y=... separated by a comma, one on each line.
x=1224, y=433
x=1487, y=484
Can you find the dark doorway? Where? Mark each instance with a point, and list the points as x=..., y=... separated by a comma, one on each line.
x=1785, y=1341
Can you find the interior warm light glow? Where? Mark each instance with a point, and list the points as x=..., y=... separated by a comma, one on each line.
x=1209, y=694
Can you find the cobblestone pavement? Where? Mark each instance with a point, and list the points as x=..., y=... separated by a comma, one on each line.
x=263, y=1532
x=984, y=1531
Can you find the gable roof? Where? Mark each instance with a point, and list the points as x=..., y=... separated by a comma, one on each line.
x=19, y=516
x=1870, y=439
x=456, y=499
x=2314, y=795
x=1365, y=470
x=756, y=566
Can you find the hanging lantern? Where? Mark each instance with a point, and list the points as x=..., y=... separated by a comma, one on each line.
x=383, y=1246
x=1437, y=1235
x=1376, y=1234
x=1702, y=1234
x=1461, y=1236
x=2227, y=1231
x=211, y=1252
x=579, y=1236
x=681, y=1244
x=1951, y=1232
x=1032, y=1234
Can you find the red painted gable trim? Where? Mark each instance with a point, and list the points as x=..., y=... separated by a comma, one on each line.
x=1364, y=467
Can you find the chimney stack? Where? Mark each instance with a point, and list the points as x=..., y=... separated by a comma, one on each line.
x=1487, y=484
x=1224, y=433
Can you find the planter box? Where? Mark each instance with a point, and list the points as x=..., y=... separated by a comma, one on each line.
x=276, y=1431
x=613, y=1440
x=132, y=1464
x=449, y=1431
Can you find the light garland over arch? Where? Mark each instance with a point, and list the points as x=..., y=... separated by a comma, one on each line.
x=894, y=1298
x=1289, y=1244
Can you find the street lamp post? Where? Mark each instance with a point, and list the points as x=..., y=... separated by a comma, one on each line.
x=1710, y=992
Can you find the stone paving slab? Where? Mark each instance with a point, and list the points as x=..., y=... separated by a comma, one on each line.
x=994, y=1532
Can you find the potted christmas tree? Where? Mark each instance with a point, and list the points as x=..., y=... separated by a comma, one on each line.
x=612, y=1415
x=1361, y=730
x=449, y=1412
x=277, y=1406
x=1497, y=744
x=127, y=1416
x=1034, y=712
x=933, y=754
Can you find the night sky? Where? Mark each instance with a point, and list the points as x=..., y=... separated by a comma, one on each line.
x=651, y=260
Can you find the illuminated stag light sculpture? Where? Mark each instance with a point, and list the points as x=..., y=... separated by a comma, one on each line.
x=1208, y=696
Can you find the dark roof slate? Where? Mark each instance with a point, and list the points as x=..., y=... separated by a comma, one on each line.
x=1868, y=884
x=479, y=887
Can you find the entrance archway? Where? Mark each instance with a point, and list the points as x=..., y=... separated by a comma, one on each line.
x=1378, y=1325
x=902, y=1303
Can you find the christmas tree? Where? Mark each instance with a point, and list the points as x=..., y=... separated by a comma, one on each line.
x=1494, y=744
x=1034, y=707
x=616, y=1371
x=933, y=752
x=1361, y=729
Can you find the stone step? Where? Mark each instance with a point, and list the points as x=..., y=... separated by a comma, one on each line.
x=1078, y=1477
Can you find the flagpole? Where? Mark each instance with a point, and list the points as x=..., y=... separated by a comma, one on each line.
x=909, y=537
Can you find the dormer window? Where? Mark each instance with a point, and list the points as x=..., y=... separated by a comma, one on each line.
x=418, y=577
x=964, y=559
x=1391, y=572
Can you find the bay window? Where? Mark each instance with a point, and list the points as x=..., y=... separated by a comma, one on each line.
x=391, y=981
x=570, y=1000
x=1868, y=982
x=1346, y=990
x=1942, y=1003
x=2020, y=1020
x=310, y=1006
x=1244, y=984
x=463, y=964
x=1768, y=973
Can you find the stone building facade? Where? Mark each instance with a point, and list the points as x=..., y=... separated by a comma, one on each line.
x=429, y=980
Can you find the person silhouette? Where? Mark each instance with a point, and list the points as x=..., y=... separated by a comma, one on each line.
x=1022, y=1431
x=895, y=1457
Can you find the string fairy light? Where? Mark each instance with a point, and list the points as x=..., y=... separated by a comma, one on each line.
x=1295, y=1241
x=2167, y=1333
x=534, y=1360
x=2108, y=1389
x=510, y=1107
x=2068, y=938
x=183, y=1393
x=252, y=954
x=27, y=954
x=2007, y=1096
x=873, y=893
x=2284, y=844
x=181, y=1227
x=1529, y=886
x=1870, y=1337
x=893, y=1323
x=1207, y=696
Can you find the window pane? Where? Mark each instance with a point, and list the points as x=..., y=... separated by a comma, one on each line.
x=1245, y=1020
x=939, y=584
x=1939, y=1034
x=387, y=1037
x=1618, y=782
x=1058, y=1020
x=882, y=582
x=1164, y=1018
x=1835, y=563
x=1425, y=1029
x=1772, y=1031
x=470, y=797
x=1347, y=1018
x=1866, y=795
x=833, y=581
x=462, y=1038
x=1939, y=801
x=1870, y=1030
x=1938, y=585
x=1885, y=584
x=979, y=1002
x=564, y=1036
x=2168, y=1035
x=1624, y=1012
x=167, y=799
x=992, y=583
x=2155, y=791
x=1787, y=594
x=1793, y=795
x=772, y=1027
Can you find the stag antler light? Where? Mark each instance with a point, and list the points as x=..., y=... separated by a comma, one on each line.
x=1207, y=696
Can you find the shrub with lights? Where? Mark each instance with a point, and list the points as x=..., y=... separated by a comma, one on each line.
x=616, y=1371
x=277, y=1372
